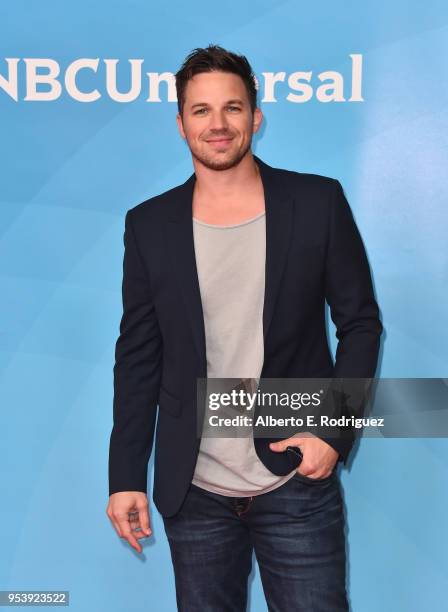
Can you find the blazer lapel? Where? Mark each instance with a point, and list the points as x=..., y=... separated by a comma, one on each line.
x=279, y=222
x=181, y=247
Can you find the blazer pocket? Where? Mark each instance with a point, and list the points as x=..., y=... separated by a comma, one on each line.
x=169, y=402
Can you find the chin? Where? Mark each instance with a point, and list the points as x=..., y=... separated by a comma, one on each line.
x=221, y=162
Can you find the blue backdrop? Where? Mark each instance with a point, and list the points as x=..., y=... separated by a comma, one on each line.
x=70, y=168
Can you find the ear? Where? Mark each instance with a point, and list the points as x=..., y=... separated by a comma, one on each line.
x=257, y=119
x=180, y=126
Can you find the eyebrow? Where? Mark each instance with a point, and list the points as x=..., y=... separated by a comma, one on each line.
x=234, y=101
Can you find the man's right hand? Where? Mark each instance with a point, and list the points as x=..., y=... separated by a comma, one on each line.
x=128, y=511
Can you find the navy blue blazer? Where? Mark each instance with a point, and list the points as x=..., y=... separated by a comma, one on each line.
x=314, y=254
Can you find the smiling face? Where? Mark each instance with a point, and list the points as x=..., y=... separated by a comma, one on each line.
x=217, y=121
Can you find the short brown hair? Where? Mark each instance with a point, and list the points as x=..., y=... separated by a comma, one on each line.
x=217, y=58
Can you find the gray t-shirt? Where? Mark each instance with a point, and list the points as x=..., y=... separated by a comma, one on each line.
x=230, y=261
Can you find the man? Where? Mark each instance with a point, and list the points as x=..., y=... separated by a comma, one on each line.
x=226, y=276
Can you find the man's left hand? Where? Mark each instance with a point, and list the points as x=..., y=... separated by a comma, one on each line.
x=319, y=458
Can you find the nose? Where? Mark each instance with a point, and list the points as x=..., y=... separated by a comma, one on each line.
x=218, y=121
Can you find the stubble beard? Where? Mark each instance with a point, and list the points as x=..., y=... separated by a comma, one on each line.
x=213, y=162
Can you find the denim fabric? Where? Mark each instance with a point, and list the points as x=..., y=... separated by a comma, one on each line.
x=296, y=531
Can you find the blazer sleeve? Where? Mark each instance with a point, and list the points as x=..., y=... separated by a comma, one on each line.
x=354, y=311
x=136, y=373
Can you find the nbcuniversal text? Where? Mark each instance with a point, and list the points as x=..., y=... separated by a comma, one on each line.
x=89, y=79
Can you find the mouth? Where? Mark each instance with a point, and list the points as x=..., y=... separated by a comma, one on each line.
x=219, y=141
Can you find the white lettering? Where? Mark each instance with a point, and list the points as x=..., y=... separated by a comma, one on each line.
x=356, y=78
x=270, y=79
x=154, y=80
x=336, y=86
x=70, y=80
x=300, y=83
x=294, y=83
x=33, y=79
x=111, y=80
x=10, y=85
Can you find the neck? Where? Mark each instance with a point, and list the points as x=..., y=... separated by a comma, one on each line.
x=226, y=185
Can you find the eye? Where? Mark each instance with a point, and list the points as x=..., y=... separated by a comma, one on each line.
x=234, y=107
x=199, y=111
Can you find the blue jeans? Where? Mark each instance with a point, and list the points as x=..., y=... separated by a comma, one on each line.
x=296, y=531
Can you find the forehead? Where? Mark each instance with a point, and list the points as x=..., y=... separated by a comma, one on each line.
x=214, y=86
